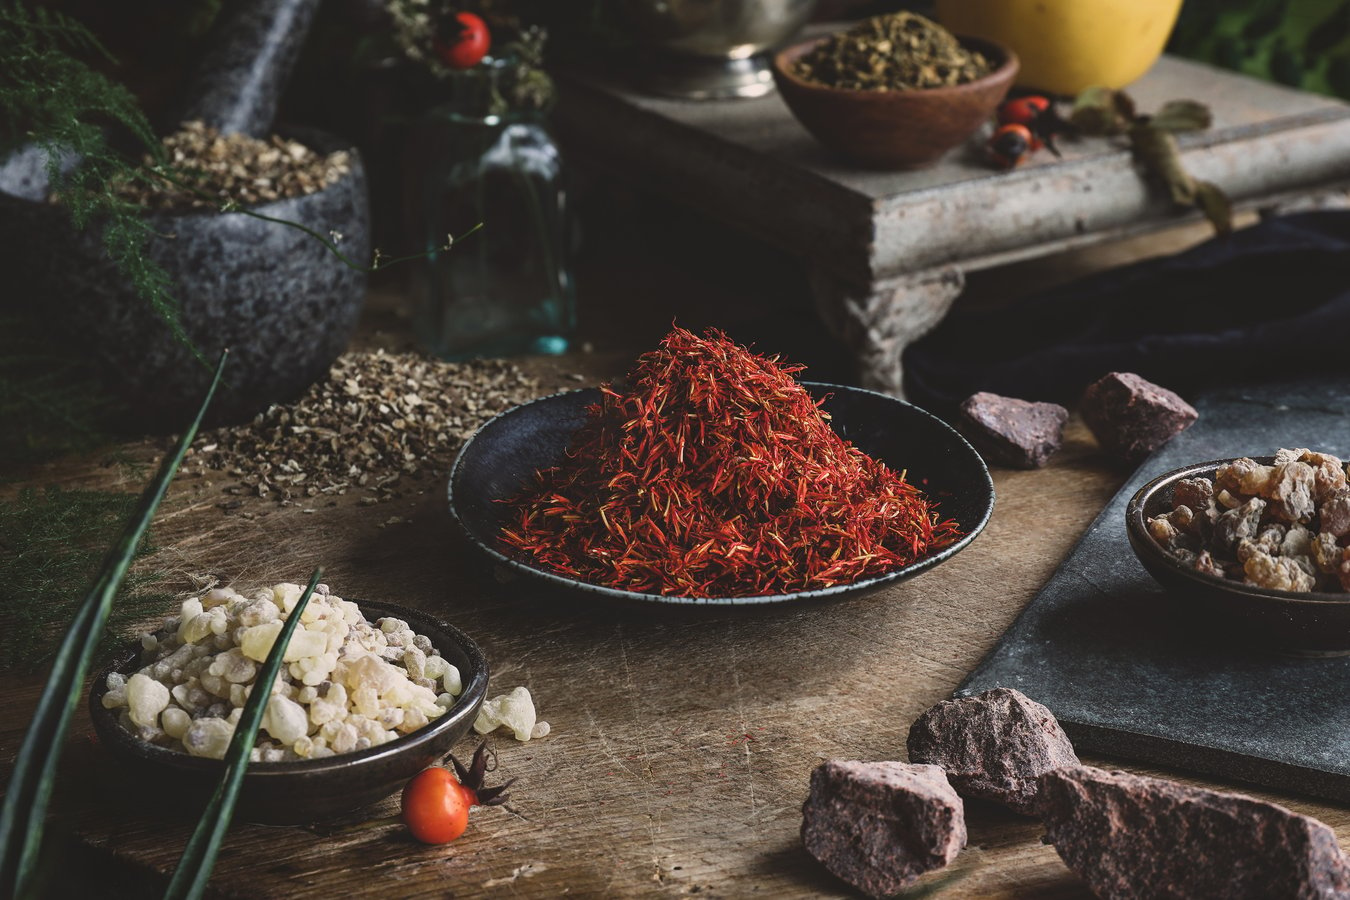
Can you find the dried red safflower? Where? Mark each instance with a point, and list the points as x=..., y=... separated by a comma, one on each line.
x=718, y=475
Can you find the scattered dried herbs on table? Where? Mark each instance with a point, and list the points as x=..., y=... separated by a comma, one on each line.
x=897, y=52
x=211, y=169
x=717, y=474
x=377, y=423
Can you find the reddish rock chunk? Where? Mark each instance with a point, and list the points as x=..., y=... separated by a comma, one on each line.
x=1010, y=432
x=994, y=745
x=880, y=825
x=1136, y=838
x=1132, y=417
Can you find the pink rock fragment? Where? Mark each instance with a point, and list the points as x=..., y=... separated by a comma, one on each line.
x=1009, y=432
x=1136, y=838
x=880, y=825
x=1132, y=417
x=994, y=746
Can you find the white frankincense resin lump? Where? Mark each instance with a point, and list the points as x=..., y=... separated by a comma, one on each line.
x=345, y=683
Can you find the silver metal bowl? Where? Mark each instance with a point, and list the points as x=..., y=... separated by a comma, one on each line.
x=711, y=49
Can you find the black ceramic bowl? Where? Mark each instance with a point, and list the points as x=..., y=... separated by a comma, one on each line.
x=499, y=461
x=294, y=793
x=1307, y=624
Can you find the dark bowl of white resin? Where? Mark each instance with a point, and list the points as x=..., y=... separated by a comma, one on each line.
x=302, y=791
x=500, y=460
x=1307, y=623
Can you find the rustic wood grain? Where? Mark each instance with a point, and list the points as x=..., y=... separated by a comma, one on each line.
x=682, y=739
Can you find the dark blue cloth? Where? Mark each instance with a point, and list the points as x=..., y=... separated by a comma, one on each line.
x=1264, y=303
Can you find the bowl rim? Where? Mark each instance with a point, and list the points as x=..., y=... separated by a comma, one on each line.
x=466, y=705
x=1143, y=543
x=877, y=581
x=1006, y=70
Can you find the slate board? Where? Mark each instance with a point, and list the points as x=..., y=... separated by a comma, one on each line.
x=1103, y=647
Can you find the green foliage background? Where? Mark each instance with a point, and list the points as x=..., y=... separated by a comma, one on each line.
x=1301, y=43
x=51, y=543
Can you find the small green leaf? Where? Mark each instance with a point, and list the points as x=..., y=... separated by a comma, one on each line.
x=199, y=857
x=30, y=785
x=1102, y=111
x=1216, y=206
x=1183, y=115
x=1157, y=152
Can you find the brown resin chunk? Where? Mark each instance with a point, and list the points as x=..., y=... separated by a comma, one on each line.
x=1329, y=470
x=1196, y=493
x=1277, y=573
x=1011, y=432
x=1335, y=514
x=1205, y=563
x=1290, y=492
x=1327, y=554
x=1229, y=477
x=1132, y=417
x=1281, y=526
x=1238, y=523
x=994, y=746
x=880, y=825
x=1136, y=838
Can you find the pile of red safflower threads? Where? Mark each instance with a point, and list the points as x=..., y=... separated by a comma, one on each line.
x=717, y=475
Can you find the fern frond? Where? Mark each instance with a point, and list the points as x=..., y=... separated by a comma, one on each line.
x=52, y=99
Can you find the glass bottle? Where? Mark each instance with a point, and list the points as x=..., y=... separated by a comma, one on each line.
x=489, y=160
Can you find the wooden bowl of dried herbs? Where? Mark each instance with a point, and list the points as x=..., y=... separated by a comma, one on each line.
x=895, y=91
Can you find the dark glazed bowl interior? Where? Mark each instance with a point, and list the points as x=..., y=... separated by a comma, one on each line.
x=1307, y=624
x=294, y=793
x=499, y=461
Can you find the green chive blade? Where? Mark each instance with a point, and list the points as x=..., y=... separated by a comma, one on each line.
x=199, y=857
x=26, y=797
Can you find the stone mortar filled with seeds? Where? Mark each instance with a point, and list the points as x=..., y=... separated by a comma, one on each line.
x=207, y=170
x=283, y=303
x=220, y=212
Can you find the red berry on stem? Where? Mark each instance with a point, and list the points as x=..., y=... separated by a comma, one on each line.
x=436, y=803
x=466, y=42
x=1010, y=144
x=1022, y=110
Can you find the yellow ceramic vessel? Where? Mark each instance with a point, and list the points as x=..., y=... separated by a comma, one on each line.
x=1068, y=45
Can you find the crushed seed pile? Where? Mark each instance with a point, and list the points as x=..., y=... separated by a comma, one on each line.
x=897, y=52
x=380, y=423
x=235, y=167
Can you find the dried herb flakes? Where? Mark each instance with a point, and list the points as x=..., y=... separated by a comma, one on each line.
x=211, y=170
x=376, y=424
x=897, y=52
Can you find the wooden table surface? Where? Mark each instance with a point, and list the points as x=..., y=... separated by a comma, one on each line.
x=682, y=740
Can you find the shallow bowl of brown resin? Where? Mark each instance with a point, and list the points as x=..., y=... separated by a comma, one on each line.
x=298, y=792
x=894, y=129
x=1303, y=623
x=501, y=459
